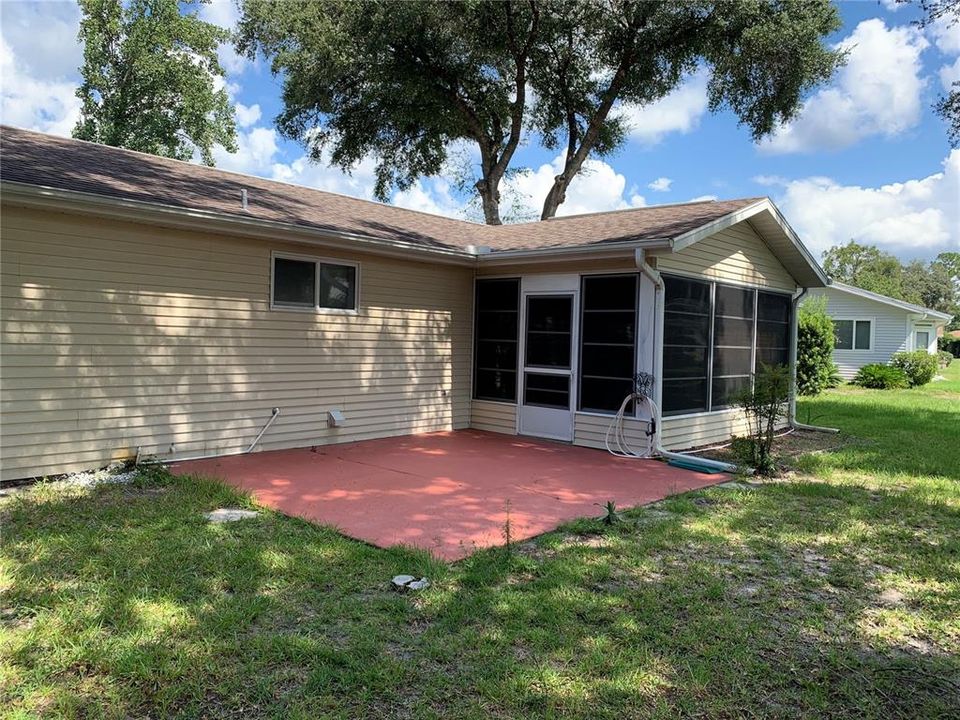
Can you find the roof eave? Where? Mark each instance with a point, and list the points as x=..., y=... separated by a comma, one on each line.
x=38, y=196
x=817, y=277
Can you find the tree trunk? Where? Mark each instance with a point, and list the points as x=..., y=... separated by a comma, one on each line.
x=490, y=200
x=555, y=197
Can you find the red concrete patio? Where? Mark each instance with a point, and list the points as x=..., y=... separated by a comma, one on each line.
x=448, y=492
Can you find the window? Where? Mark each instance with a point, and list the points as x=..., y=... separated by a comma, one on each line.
x=851, y=334
x=496, y=335
x=686, y=345
x=923, y=339
x=608, y=322
x=773, y=329
x=715, y=337
x=733, y=341
x=301, y=283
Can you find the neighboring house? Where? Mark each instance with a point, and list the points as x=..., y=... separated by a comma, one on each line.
x=162, y=308
x=870, y=327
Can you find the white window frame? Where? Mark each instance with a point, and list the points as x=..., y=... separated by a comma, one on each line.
x=922, y=329
x=853, y=339
x=318, y=261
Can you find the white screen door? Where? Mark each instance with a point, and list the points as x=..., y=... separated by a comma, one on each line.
x=546, y=401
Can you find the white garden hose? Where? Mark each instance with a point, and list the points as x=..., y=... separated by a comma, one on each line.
x=616, y=440
x=616, y=437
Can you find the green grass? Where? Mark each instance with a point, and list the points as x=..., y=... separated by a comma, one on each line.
x=833, y=593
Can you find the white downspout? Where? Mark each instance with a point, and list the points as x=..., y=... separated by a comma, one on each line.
x=655, y=414
x=794, y=338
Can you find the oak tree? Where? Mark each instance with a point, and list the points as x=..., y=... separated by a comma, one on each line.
x=405, y=81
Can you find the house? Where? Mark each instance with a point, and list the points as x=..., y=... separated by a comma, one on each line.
x=158, y=308
x=871, y=327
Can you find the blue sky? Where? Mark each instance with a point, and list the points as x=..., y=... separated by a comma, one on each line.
x=867, y=159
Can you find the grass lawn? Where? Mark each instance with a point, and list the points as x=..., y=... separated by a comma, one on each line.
x=834, y=593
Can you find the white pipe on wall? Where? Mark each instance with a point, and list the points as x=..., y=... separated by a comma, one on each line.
x=275, y=413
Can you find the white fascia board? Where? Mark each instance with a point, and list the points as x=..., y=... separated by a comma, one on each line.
x=204, y=220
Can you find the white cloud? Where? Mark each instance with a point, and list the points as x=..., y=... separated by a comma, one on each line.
x=43, y=38
x=256, y=152
x=912, y=218
x=949, y=74
x=27, y=101
x=247, y=115
x=768, y=180
x=39, y=70
x=877, y=92
x=225, y=14
x=661, y=184
x=703, y=198
x=680, y=111
x=432, y=195
x=946, y=35
x=596, y=188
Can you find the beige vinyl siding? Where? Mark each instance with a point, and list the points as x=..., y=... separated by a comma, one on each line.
x=677, y=433
x=118, y=335
x=590, y=430
x=737, y=255
x=495, y=417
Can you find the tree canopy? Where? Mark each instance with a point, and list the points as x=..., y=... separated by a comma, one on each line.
x=404, y=81
x=935, y=285
x=150, y=79
x=947, y=105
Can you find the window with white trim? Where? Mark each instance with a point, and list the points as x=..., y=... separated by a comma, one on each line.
x=923, y=339
x=852, y=334
x=312, y=284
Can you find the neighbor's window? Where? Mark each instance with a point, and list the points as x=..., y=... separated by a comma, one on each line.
x=314, y=284
x=715, y=337
x=851, y=334
x=608, y=322
x=496, y=336
x=923, y=339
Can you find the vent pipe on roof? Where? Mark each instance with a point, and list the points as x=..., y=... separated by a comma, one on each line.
x=478, y=249
x=243, y=198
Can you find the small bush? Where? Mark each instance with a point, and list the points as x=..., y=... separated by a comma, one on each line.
x=881, y=377
x=950, y=345
x=945, y=358
x=816, y=370
x=919, y=366
x=764, y=404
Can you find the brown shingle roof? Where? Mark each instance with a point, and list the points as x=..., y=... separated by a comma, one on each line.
x=65, y=164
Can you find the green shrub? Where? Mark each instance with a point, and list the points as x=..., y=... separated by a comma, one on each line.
x=950, y=345
x=764, y=404
x=881, y=377
x=945, y=358
x=919, y=366
x=816, y=370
